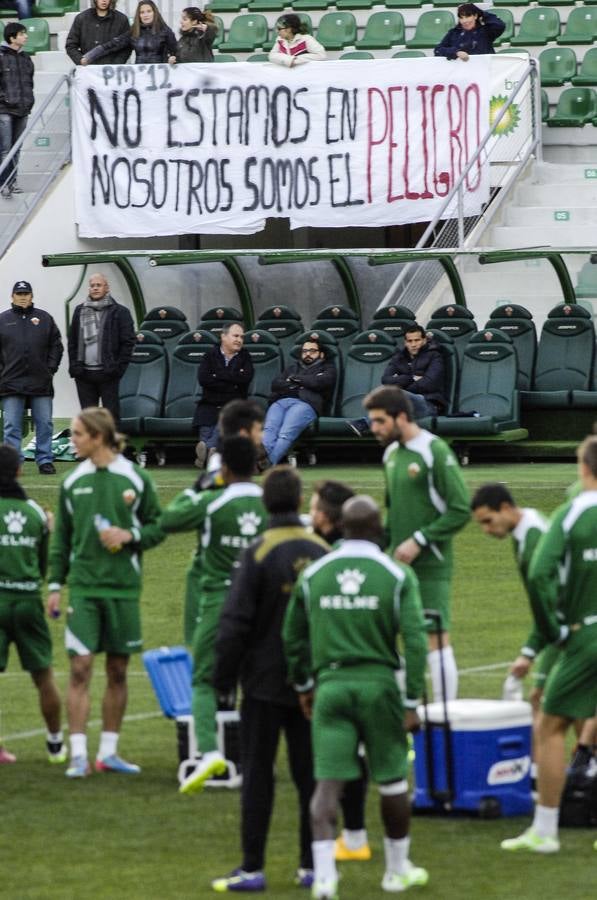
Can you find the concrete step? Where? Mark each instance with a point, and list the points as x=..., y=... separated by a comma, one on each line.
x=566, y=196
x=53, y=61
x=546, y=216
x=565, y=173
x=564, y=234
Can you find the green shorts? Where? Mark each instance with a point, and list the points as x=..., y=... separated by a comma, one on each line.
x=359, y=704
x=22, y=623
x=436, y=594
x=571, y=689
x=100, y=624
x=544, y=664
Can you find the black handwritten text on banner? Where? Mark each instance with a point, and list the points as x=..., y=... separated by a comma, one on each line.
x=162, y=150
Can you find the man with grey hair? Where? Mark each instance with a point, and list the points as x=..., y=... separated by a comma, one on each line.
x=100, y=346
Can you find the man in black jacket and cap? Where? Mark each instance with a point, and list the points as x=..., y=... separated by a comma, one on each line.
x=94, y=26
x=100, y=346
x=30, y=353
x=299, y=395
x=16, y=100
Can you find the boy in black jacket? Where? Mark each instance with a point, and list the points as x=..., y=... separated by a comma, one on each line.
x=16, y=100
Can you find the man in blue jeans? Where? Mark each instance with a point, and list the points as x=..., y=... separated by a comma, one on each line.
x=16, y=100
x=299, y=395
x=30, y=353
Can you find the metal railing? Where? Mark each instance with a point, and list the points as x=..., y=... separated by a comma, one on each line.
x=452, y=227
x=44, y=148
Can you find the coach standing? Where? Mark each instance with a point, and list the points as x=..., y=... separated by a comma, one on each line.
x=30, y=353
x=100, y=346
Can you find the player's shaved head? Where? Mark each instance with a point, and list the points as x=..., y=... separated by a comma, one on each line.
x=361, y=519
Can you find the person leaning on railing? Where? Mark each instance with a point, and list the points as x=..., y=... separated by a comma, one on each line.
x=473, y=36
x=94, y=26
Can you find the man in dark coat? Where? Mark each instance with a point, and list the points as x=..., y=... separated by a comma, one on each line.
x=419, y=370
x=225, y=373
x=100, y=346
x=94, y=26
x=30, y=353
x=16, y=100
x=299, y=395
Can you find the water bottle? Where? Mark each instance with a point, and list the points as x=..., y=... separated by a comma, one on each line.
x=512, y=689
x=101, y=523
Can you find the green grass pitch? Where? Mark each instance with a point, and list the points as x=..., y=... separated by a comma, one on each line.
x=137, y=839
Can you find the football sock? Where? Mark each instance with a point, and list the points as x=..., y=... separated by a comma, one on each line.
x=78, y=745
x=545, y=822
x=396, y=853
x=324, y=864
x=354, y=839
x=108, y=744
x=450, y=673
x=54, y=737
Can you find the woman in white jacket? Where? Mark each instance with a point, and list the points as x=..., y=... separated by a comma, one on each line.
x=294, y=46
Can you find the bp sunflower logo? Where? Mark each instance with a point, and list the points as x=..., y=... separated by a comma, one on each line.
x=510, y=119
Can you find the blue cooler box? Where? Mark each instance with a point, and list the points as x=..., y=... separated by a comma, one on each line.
x=491, y=758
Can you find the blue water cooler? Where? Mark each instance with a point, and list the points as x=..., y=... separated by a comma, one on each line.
x=479, y=762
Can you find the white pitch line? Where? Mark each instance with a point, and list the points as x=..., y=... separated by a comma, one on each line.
x=488, y=668
x=93, y=723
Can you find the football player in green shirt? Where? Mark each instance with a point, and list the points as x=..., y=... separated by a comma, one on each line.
x=226, y=519
x=340, y=635
x=563, y=588
x=427, y=504
x=107, y=516
x=24, y=535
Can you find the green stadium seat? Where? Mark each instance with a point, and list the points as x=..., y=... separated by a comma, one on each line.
x=365, y=362
x=217, y=6
x=517, y=323
x=266, y=6
x=408, y=54
x=266, y=355
x=339, y=321
x=337, y=30
x=403, y=4
x=215, y=318
x=511, y=3
x=50, y=8
x=311, y=4
x=247, y=33
x=226, y=58
x=587, y=74
x=38, y=32
x=517, y=50
x=577, y=106
x=508, y=19
x=382, y=30
x=354, y=4
x=357, y=54
x=564, y=358
x=445, y=345
x=258, y=57
x=431, y=28
x=487, y=387
x=393, y=319
x=558, y=2
x=455, y=321
x=557, y=65
x=544, y=105
x=168, y=323
x=284, y=324
x=581, y=27
x=219, y=22
x=586, y=285
x=538, y=26
x=141, y=388
x=183, y=389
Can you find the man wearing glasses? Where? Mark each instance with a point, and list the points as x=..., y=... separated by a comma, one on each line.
x=299, y=395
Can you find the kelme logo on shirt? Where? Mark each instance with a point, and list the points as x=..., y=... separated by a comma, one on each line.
x=248, y=523
x=350, y=581
x=413, y=469
x=129, y=496
x=15, y=521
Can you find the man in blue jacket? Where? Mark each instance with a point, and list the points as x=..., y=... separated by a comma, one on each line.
x=474, y=35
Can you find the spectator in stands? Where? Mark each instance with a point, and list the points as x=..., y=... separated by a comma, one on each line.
x=30, y=353
x=16, y=100
x=249, y=645
x=24, y=8
x=299, y=395
x=94, y=27
x=100, y=346
x=294, y=46
x=198, y=32
x=24, y=530
x=225, y=373
x=149, y=37
x=474, y=35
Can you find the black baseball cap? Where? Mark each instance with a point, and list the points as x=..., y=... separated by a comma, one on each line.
x=22, y=287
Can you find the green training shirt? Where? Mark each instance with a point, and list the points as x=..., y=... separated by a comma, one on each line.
x=426, y=500
x=347, y=609
x=525, y=538
x=23, y=547
x=226, y=519
x=563, y=571
x=92, y=499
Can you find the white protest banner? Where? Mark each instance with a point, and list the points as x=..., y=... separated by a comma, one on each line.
x=162, y=150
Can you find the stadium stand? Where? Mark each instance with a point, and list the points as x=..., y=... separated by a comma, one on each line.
x=168, y=323
x=383, y=30
x=577, y=106
x=586, y=285
x=539, y=25
x=393, y=320
x=557, y=66
x=337, y=30
x=581, y=27
x=456, y=321
x=339, y=321
x=268, y=361
x=284, y=324
x=214, y=319
x=517, y=323
x=143, y=384
x=357, y=54
x=445, y=344
x=431, y=27
x=38, y=35
x=587, y=74
x=247, y=32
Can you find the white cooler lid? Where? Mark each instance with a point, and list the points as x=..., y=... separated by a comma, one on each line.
x=479, y=715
